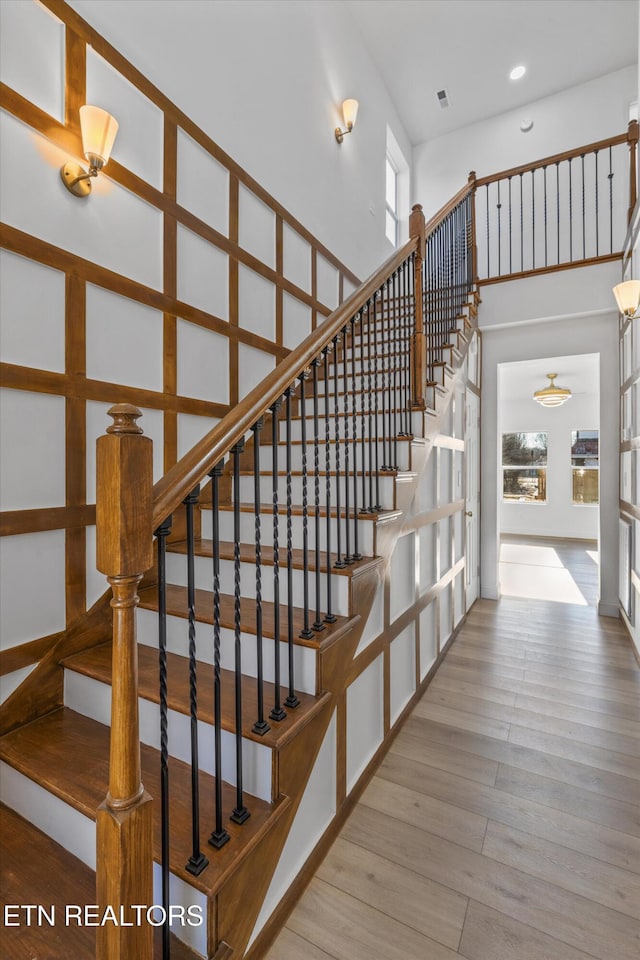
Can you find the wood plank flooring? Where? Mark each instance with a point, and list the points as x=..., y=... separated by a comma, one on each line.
x=504, y=824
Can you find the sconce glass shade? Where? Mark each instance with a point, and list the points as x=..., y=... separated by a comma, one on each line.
x=627, y=296
x=552, y=396
x=99, y=131
x=350, y=112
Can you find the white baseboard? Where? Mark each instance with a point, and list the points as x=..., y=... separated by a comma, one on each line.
x=608, y=610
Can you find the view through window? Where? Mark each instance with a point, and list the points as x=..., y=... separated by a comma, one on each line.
x=524, y=467
x=584, y=466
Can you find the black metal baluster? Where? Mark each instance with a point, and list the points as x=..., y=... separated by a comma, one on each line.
x=510, y=238
x=394, y=402
x=488, y=253
x=610, y=179
x=340, y=563
x=385, y=301
x=597, y=217
x=546, y=260
x=330, y=617
x=402, y=325
x=362, y=393
x=197, y=861
x=161, y=536
x=240, y=814
x=219, y=835
x=347, y=460
x=291, y=700
x=584, y=231
x=533, y=218
x=499, y=208
x=521, y=228
x=356, y=555
x=386, y=458
x=376, y=402
x=369, y=404
x=277, y=712
x=317, y=623
x=306, y=632
x=558, y=204
x=570, y=213
x=260, y=726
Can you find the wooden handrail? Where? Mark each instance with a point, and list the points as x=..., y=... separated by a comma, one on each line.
x=556, y=158
x=444, y=211
x=179, y=481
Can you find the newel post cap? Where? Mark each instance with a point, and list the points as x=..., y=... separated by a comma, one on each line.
x=124, y=418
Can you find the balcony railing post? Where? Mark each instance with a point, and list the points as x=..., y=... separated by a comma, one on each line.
x=419, y=340
x=123, y=552
x=632, y=137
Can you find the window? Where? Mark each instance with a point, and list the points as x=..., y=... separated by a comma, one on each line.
x=584, y=466
x=391, y=222
x=524, y=467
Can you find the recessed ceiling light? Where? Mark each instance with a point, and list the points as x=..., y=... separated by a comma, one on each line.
x=517, y=72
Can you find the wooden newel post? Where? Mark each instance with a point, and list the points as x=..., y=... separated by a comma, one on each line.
x=632, y=138
x=124, y=550
x=472, y=240
x=419, y=342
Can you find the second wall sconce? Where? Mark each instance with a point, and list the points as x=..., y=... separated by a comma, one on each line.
x=627, y=296
x=99, y=131
x=349, y=112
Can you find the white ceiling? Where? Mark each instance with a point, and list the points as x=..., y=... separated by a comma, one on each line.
x=579, y=373
x=468, y=48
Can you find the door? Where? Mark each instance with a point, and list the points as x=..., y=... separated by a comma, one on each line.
x=472, y=497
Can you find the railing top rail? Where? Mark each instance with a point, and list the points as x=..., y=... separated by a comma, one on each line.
x=180, y=480
x=444, y=211
x=627, y=137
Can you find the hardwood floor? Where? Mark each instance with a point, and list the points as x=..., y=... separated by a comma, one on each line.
x=504, y=824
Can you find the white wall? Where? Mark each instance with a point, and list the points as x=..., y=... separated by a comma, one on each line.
x=266, y=81
x=579, y=115
x=559, y=516
x=511, y=337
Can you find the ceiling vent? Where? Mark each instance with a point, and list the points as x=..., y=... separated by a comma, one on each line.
x=443, y=99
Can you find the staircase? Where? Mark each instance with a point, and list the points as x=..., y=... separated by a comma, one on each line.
x=272, y=539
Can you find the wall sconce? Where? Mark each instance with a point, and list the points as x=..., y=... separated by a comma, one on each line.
x=627, y=296
x=99, y=130
x=552, y=396
x=349, y=112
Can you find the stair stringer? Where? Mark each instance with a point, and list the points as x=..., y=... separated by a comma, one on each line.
x=241, y=900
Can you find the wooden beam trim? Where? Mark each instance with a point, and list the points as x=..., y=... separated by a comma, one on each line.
x=24, y=654
x=16, y=522
x=46, y=381
x=589, y=262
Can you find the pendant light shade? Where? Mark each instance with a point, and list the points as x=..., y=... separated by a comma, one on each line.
x=552, y=396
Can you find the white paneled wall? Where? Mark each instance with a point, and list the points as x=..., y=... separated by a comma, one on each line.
x=402, y=670
x=203, y=363
x=32, y=54
x=257, y=228
x=203, y=184
x=203, y=274
x=31, y=565
x=112, y=321
x=30, y=335
x=32, y=434
x=257, y=304
x=365, y=725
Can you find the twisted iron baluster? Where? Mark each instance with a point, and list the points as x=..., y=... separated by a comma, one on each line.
x=307, y=632
x=317, y=623
x=291, y=700
x=197, y=861
x=277, y=712
x=369, y=404
x=260, y=726
x=240, y=813
x=161, y=535
x=384, y=306
x=340, y=563
x=219, y=835
x=376, y=388
x=345, y=382
x=330, y=617
x=356, y=552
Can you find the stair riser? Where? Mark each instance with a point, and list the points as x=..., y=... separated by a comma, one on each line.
x=177, y=573
x=77, y=833
x=93, y=699
x=386, y=487
x=304, y=658
x=366, y=531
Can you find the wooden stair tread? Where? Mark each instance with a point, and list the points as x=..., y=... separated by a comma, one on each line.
x=96, y=663
x=204, y=548
x=53, y=878
x=247, y=506
x=177, y=607
x=68, y=755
